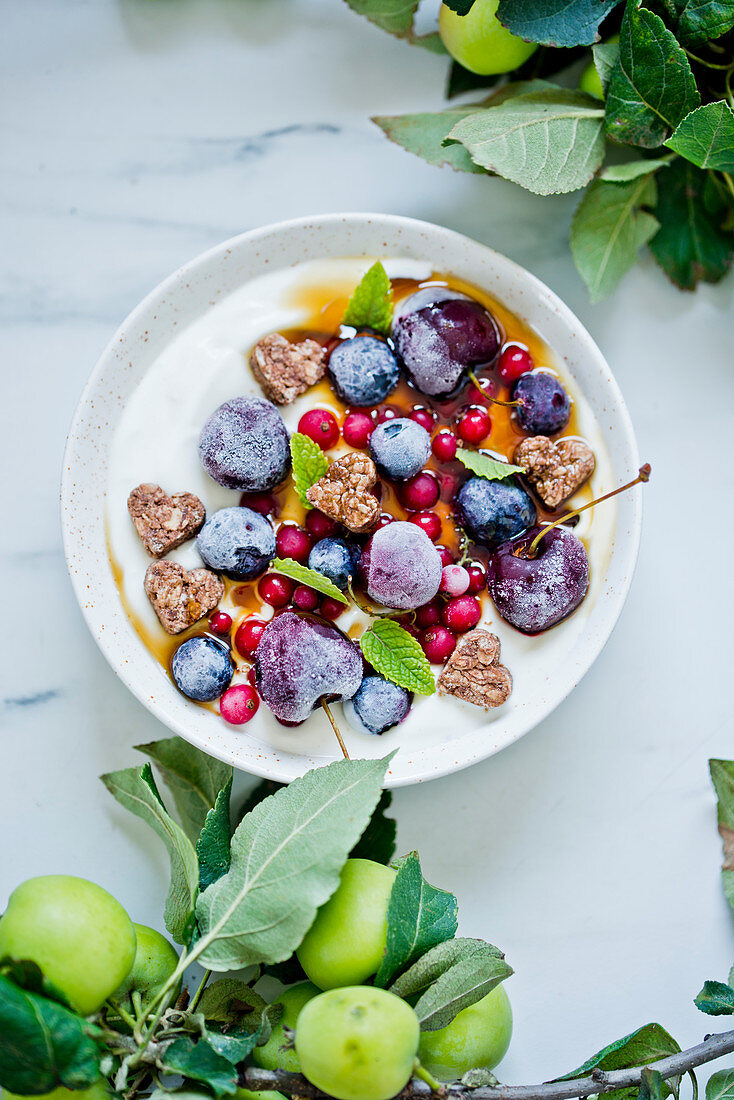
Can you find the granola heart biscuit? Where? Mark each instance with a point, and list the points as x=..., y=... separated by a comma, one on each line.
x=181, y=597
x=555, y=469
x=286, y=370
x=473, y=671
x=343, y=493
x=162, y=521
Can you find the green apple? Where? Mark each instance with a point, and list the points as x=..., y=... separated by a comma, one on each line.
x=477, y=1037
x=155, y=961
x=590, y=82
x=479, y=42
x=248, y=1094
x=271, y=1055
x=97, y=1091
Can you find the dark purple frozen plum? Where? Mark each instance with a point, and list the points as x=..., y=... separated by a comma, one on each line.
x=545, y=408
x=439, y=334
x=301, y=660
x=244, y=445
x=401, y=567
x=533, y=594
x=237, y=542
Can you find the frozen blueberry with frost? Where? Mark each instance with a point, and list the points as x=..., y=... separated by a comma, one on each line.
x=336, y=559
x=545, y=408
x=363, y=370
x=400, y=566
x=493, y=511
x=400, y=448
x=439, y=334
x=377, y=707
x=202, y=669
x=535, y=593
x=244, y=445
x=301, y=660
x=237, y=542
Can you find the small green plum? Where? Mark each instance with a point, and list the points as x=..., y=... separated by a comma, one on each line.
x=479, y=42
x=248, y=1094
x=271, y=1055
x=155, y=961
x=77, y=933
x=346, y=942
x=357, y=1043
x=590, y=82
x=477, y=1037
x=97, y=1091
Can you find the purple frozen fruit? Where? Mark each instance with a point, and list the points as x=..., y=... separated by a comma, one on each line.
x=400, y=448
x=377, y=707
x=301, y=660
x=202, y=668
x=439, y=334
x=244, y=445
x=533, y=594
x=401, y=567
x=545, y=407
x=237, y=542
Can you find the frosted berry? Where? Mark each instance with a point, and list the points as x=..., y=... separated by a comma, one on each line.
x=545, y=406
x=494, y=511
x=421, y=492
x=305, y=598
x=378, y=706
x=319, y=525
x=237, y=542
x=202, y=668
x=220, y=623
x=336, y=558
x=400, y=448
x=248, y=635
x=423, y=416
x=293, y=542
x=244, y=445
x=275, y=590
x=401, y=568
x=239, y=704
x=429, y=522
x=438, y=644
x=444, y=446
x=363, y=370
x=454, y=580
x=462, y=614
x=474, y=425
x=320, y=425
x=357, y=429
x=514, y=361
x=533, y=594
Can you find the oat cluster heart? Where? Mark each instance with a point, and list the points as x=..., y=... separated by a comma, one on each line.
x=286, y=370
x=473, y=672
x=181, y=597
x=162, y=521
x=343, y=493
x=555, y=469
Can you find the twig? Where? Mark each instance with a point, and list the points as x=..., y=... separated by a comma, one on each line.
x=335, y=728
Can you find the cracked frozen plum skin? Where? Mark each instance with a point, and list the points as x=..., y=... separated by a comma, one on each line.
x=244, y=445
x=533, y=594
x=237, y=542
x=363, y=371
x=378, y=706
x=401, y=567
x=300, y=660
x=400, y=448
x=494, y=511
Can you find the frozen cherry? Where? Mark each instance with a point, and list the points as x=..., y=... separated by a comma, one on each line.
x=400, y=566
x=239, y=704
x=514, y=361
x=438, y=644
x=429, y=522
x=477, y=577
x=428, y=615
x=423, y=416
x=319, y=525
x=545, y=407
x=293, y=542
x=357, y=429
x=444, y=445
x=244, y=445
x=462, y=614
x=248, y=635
x=305, y=598
x=220, y=623
x=535, y=593
x=454, y=580
x=331, y=609
x=422, y=491
x=275, y=590
x=320, y=425
x=264, y=503
x=447, y=558
x=474, y=425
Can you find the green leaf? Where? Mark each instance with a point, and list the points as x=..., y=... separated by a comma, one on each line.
x=396, y=17
x=29, y=976
x=193, y=778
x=691, y=245
x=481, y=1077
x=212, y=847
x=371, y=303
x=716, y=999
x=706, y=137
x=309, y=464
x=418, y=917
x=287, y=855
x=235, y=1046
x=722, y=777
x=198, y=1061
x=483, y=465
x=423, y=134
x=461, y=7
x=639, y=1048
x=652, y=87
x=609, y=228
x=632, y=170
x=260, y=791
x=700, y=20
x=301, y=573
x=720, y=1085
x=549, y=141
x=42, y=1044
x=555, y=22
x=606, y=57
x=377, y=842
x=136, y=791
x=397, y=656
x=652, y=1086
x=231, y=1001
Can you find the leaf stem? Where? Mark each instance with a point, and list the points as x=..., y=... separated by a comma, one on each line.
x=423, y=1074
x=709, y=64
x=335, y=728
x=202, y=986
x=123, y=1014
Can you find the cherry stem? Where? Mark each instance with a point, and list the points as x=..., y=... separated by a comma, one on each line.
x=492, y=400
x=642, y=477
x=373, y=612
x=335, y=728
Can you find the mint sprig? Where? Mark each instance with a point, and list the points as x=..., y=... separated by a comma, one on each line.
x=371, y=304
x=309, y=464
x=301, y=573
x=484, y=465
x=396, y=655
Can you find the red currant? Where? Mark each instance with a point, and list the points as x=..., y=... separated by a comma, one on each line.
x=305, y=598
x=420, y=492
x=422, y=416
x=293, y=542
x=264, y=503
x=248, y=636
x=357, y=429
x=384, y=519
x=321, y=426
x=429, y=522
x=332, y=609
x=447, y=558
x=474, y=425
x=429, y=614
x=462, y=614
x=220, y=622
x=252, y=676
x=454, y=580
x=239, y=704
x=477, y=577
x=444, y=445
x=438, y=644
x=275, y=590
x=319, y=525
x=387, y=412
x=514, y=361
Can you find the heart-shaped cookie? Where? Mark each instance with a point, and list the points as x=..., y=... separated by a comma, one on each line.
x=286, y=370
x=162, y=521
x=181, y=597
x=473, y=671
x=343, y=493
x=555, y=469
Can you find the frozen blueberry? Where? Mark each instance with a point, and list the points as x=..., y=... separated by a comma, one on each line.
x=363, y=370
x=237, y=542
x=400, y=448
x=546, y=407
x=244, y=445
x=377, y=706
x=494, y=511
x=202, y=669
x=336, y=559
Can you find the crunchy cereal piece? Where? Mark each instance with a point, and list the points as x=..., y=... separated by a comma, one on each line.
x=181, y=597
x=343, y=493
x=473, y=672
x=286, y=370
x=555, y=470
x=162, y=521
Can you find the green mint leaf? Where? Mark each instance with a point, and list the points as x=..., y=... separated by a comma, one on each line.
x=43, y=1044
x=549, y=141
x=632, y=170
x=397, y=656
x=212, y=847
x=652, y=87
x=706, y=137
x=198, y=1061
x=301, y=573
x=309, y=464
x=610, y=226
x=606, y=56
x=231, y=1001
x=716, y=999
x=193, y=778
x=135, y=789
x=720, y=1085
x=377, y=842
x=700, y=20
x=371, y=304
x=555, y=22
x=419, y=917
x=691, y=245
x=647, y=1044
x=483, y=465
x=722, y=777
x=292, y=845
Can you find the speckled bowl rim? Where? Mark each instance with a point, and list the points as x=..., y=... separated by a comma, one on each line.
x=84, y=476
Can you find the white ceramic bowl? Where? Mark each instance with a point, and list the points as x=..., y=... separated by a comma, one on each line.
x=446, y=741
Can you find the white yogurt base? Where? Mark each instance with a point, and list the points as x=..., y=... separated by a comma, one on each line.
x=156, y=441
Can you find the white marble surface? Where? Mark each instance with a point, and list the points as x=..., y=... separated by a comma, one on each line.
x=137, y=133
